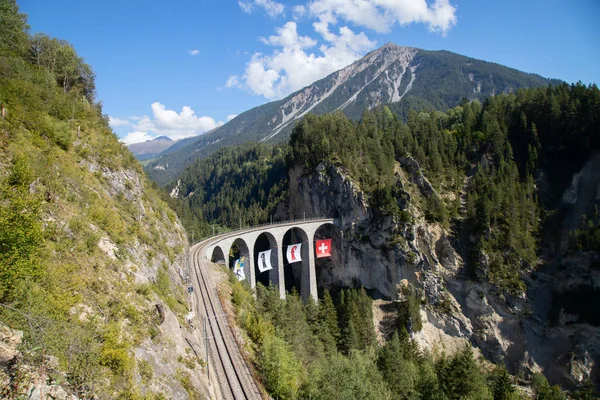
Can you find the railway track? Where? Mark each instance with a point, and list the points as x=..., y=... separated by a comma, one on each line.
x=233, y=375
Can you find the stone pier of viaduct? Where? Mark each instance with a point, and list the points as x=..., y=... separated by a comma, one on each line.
x=303, y=231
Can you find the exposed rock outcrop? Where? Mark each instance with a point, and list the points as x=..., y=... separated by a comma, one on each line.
x=381, y=252
x=41, y=382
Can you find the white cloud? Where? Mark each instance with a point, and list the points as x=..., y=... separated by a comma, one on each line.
x=136, y=137
x=194, y=52
x=382, y=15
x=116, y=122
x=246, y=7
x=287, y=37
x=232, y=81
x=272, y=8
x=299, y=11
x=176, y=125
x=231, y=116
x=292, y=67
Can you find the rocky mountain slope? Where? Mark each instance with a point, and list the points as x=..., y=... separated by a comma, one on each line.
x=403, y=76
x=150, y=148
x=508, y=329
x=92, y=261
x=488, y=211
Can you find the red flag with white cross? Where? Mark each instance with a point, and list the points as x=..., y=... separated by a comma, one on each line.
x=323, y=248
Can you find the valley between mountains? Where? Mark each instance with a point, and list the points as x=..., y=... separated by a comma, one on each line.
x=465, y=242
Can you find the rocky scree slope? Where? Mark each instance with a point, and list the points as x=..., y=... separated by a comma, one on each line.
x=405, y=77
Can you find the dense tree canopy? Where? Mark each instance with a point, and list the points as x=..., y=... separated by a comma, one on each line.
x=329, y=351
x=489, y=153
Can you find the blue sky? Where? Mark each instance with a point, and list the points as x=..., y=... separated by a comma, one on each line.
x=180, y=68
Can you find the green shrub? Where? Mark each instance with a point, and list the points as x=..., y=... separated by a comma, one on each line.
x=146, y=370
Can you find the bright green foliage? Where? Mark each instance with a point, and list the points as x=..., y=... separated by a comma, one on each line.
x=287, y=339
x=72, y=300
x=60, y=58
x=114, y=353
x=20, y=232
x=346, y=377
x=13, y=29
x=294, y=328
x=281, y=369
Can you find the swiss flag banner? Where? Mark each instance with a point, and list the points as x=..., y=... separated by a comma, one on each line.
x=293, y=253
x=323, y=248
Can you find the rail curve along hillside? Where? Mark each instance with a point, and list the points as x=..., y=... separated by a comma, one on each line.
x=233, y=375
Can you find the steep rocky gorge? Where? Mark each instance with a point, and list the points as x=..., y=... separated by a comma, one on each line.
x=384, y=253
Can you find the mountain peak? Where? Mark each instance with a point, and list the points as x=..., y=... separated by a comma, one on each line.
x=392, y=45
x=166, y=138
x=402, y=77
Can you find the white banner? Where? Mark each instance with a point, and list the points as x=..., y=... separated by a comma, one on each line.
x=293, y=253
x=238, y=269
x=264, y=261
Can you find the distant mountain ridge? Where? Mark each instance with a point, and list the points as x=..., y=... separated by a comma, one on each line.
x=150, y=148
x=404, y=77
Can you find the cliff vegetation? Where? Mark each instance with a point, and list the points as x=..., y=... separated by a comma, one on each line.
x=87, y=247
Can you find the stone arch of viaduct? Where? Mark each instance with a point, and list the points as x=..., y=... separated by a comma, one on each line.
x=220, y=246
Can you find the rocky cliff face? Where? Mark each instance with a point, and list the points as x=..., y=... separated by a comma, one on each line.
x=382, y=252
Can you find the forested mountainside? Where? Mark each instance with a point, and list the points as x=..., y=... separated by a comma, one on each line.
x=404, y=77
x=91, y=301
x=488, y=211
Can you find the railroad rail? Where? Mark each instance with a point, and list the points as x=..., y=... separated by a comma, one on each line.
x=234, y=377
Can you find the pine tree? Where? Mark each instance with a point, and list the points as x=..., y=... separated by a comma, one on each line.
x=400, y=372
x=461, y=377
x=329, y=330
x=503, y=387
x=543, y=391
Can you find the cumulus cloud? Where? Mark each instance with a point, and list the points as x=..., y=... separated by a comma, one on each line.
x=194, y=52
x=116, y=122
x=231, y=116
x=232, y=81
x=299, y=11
x=382, y=15
x=272, y=8
x=293, y=65
x=136, y=137
x=297, y=60
x=176, y=125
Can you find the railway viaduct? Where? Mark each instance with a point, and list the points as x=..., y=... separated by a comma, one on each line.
x=274, y=236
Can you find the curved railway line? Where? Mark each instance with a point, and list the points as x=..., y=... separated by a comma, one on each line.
x=234, y=377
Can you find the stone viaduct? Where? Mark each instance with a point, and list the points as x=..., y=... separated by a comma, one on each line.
x=218, y=248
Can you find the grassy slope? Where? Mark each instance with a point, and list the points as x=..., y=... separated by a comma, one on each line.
x=87, y=247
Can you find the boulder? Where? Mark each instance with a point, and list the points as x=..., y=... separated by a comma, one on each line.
x=9, y=341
